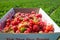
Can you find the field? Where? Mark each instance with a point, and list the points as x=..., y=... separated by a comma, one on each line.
x=51, y=7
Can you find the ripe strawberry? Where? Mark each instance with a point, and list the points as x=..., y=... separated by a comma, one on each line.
x=51, y=27
x=35, y=28
x=7, y=24
x=14, y=28
x=31, y=28
x=18, y=31
x=42, y=24
x=14, y=22
x=47, y=28
x=46, y=31
x=17, y=14
x=33, y=12
x=26, y=31
x=30, y=24
x=8, y=20
x=0, y=27
x=31, y=21
x=44, y=28
x=38, y=15
x=6, y=29
x=26, y=14
x=26, y=19
x=22, y=15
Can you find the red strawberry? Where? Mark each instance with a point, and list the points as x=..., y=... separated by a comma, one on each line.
x=7, y=24
x=44, y=28
x=42, y=24
x=31, y=21
x=30, y=17
x=46, y=31
x=8, y=20
x=35, y=28
x=6, y=29
x=26, y=19
x=18, y=31
x=38, y=15
x=14, y=22
x=22, y=15
x=31, y=28
x=26, y=14
x=26, y=31
x=33, y=12
x=14, y=28
x=50, y=27
x=0, y=28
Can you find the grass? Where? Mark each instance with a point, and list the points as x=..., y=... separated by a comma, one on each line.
x=49, y=6
x=56, y=16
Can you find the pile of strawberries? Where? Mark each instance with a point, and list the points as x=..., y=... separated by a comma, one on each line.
x=27, y=23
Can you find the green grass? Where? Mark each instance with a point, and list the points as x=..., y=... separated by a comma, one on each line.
x=56, y=16
x=49, y=6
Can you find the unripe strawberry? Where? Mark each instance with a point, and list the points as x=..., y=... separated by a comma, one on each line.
x=40, y=31
x=22, y=29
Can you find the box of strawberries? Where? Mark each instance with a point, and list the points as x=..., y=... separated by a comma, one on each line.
x=28, y=24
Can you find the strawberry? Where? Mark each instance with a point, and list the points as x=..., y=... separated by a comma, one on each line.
x=35, y=28
x=40, y=31
x=18, y=31
x=0, y=28
x=26, y=19
x=22, y=29
x=14, y=28
x=6, y=29
x=8, y=20
x=26, y=31
x=38, y=15
x=33, y=12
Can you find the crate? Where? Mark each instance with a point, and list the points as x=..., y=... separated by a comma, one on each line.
x=44, y=36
